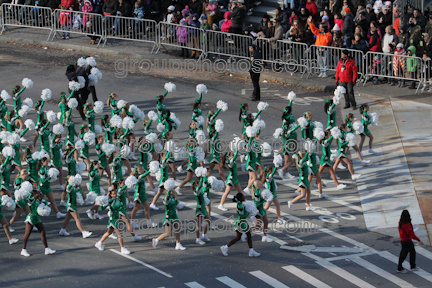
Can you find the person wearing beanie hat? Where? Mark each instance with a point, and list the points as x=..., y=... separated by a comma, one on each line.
x=348, y=27
x=194, y=35
x=183, y=37
x=385, y=18
x=399, y=63
x=417, y=40
x=345, y=4
x=346, y=75
x=205, y=26
x=370, y=13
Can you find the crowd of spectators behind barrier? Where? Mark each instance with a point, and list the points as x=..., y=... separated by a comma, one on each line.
x=364, y=25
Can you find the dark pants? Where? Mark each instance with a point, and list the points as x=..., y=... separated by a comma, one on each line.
x=92, y=91
x=255, y=81
x=349, y=95
x=82, y=99
x=407, y=247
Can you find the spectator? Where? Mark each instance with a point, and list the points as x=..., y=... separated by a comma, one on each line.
x=374, y=41
x=337, y=43
x=183, y=37
x=404, y=37
x=297, y=33
x=428, y=28
x=304, y=15
x=346, y=75
x=338, y=20
x=278, y=35
x=313, y=9
x=205, y=26
x=390, y=40
x=226, y=25
x=255, y=71
x=359, y=43
x=373, y=24
x=345, y=5
x=263, y=25
x=283, y=19
x=323, y=39
x=138, y=15
x=412, y=64
x=65, y=3
x=330, y=16
x=87, y=8
x=177, y=17
x=360, y=8
x=370, y=13
x=237, y=15
x=195, y=7
x=359, y=30
x=169, y=16
x=110, y=7
x=385, y=18
x=397, y=19
x=363, y=22
x=194, y=36
x=332, y=7
x=399, y=64
x=97, y=6
x=348, y=27
x=211, y=12
x=65, y=21
x=417, y=19
x=292, y=17
x=417, y=40
x=185, y=15
x=325, y=21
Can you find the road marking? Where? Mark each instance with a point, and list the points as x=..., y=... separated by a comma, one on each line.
x=423, y=252
x=295, y=238
x=339, y=271
x=229, y=282
x=142, y=263
x=425, y=275
x=306, y=277
x=194, y=285
x=380, y=272
x=348, y=256
x=267, y=279
x=338, y=250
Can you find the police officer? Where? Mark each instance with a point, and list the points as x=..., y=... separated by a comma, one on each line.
x=255, y=71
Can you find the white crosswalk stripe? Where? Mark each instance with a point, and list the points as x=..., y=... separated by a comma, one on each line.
x=230, y=282
x=267, y=279
x=306, y=277
x=194, y=285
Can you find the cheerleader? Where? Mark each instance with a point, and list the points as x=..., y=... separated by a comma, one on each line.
x=140, y=198
x=128, y=133
x=33, y=220
x=5, y=175
x=94, y=187
x=70, y=129
x=72, y=189
x=22, y=204
x=84, y=153
x=164, y=176
x=232, y=180
x=63, y=106
x=215, y=156
x=56, y=161
x=192, y=135
x=16, y=162
x=122, y=194
x=5, y=225
x=40, y=116
x=342, y=149
x=349, y=118
x=3, y=111
x=196, y=110
x=287, y=117
x=167, y=136
x=109, y=131
x=16, y=92
x=31, y=164
x=307, y=132
x=325, y=161
x=289, y=137
x=44, y=134
x=329, y=109
x=304, y=184
x=70, y=156
x=121, y=134
x=114, y=206
x=364, y=108
x=241, y=226
x=171, y=220
x=144, y=157
x=90, y=116
x=211, y=121
x=262, y=212
x=202, y=216
x=112, y=104
x=192, y=164
x=243, y=116
x=12, y=119
x=268, y=180
x=250, y=165
x=117, y=164
x=44, y=185
x=102, y=158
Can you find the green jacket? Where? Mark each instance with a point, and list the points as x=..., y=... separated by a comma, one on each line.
x=417, y=40
x=412, y=63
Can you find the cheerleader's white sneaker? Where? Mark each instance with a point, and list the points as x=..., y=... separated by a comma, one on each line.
x=97, y=216
x=266, y=239
x=341, y=186
x=310, y=208
x=177, y=190
x=151, y=224
x=224, y=250
x=49, y=251
x=180, y=169
x=355, y=176
x=281, y=173
x=222, y=207
x=60, y=215
x=154, y=243
x=179, y=246
x=153, y=207
x=63, y=203
x=205, y=238
x=131, y=205
x=243, y=167
x=155, y=190
x=323, y=195
x=11, y=229
x=290, y=205
x=244, y=237
x=112, y=236
x=364, y=162
x=90, y=214
x=13, y=241
x=137, y=238
x=371, y=151
x=361, y=153
x=199, y=241
x=281, y=221
x=248, y=191
x=86, y=234
x=63, y=232
x=181, y=205
x=100, y=246
x=25, y=253
x=35, y=229
x=288, y=175
x=62, y=188
x=253, y=253
x=125, y=251
x=340, y=166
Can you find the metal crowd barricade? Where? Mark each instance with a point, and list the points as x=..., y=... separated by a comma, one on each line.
x=227, y=44
x=182, y=36
x=330, y=56
x=68, y=22
x=127, y=28
x=26, y=16
x=426, y=71
x=394, y=67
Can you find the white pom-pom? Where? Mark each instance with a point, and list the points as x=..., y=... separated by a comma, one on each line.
x=131, y=181
x=125, y=151
x=373, y=118
x=200, y=136
x=8, y=152
x=36, y=155
x=81, y=62
x=90, y=138
x=237, y=144
x=79, y=199
x=108, y=148
x=8, y=203
x=27, y=83
x=259, y=124
x=336, y=100
x=79, y=145
x=29, y=124
x=93, y=80
x=291, y=96
x=266, y=149
x=116, y=121
x=262, y=106
x=46, y=94
x=80, y=167
x=74, y=86
x=222, y=105
x=175, y=119
x=72, y=103
x=4, y=135
x=302, y=122
x=351, y=139
x=91, y=197
x=216, y=184
x=128, y=123
x=278, y=133
x=152, y=137
x=335, y=132
x=267, y=195
x=150, y=156
x=13, y=139
x=98, y=129
x=101, y=201
x=81, y=81
x=27, y=186
x=251, y=131
x=200, y=120
x=158, y=147
x=58, y=129
x=24, y=111
x=200, y=155
x=59, y=114
x=120, y=104
x=91, y=61
x=51, y=116
x=43, y=210
x=170, y=87
x=160, y=127
x=154, y=166
x=21, y=194
x=5, y=95
x=169, y=184
x=318, y=133
x=28, y=102
x=78, y=179
x=138, y=113
x=219, y=126
x=53, y=174
x=317, y=124
x=309, y=146
x=201, y=89
x=277, y=160
x=152, y=115
x=95, y=71
x=341, y=89
x=250, y=207
x=201, y=172
x=158, y=175
x=206, y=200
x=358, y=127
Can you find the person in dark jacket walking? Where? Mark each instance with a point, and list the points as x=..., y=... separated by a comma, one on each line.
x=238, y=14
x=255, y=71
x=346, y=75
x=406, y=234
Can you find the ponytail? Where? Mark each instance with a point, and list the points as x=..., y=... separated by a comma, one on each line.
x=243, y=107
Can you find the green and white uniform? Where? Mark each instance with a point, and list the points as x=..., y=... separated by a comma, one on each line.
x=251, y=156
x=56, y=153
x=259, y=202
x=33, y=217
x=17, y=159
x=84, y=153
x=192, y=161
x=45, y=136
x=32, y=168
x=71, y=163
x=143, y=156
x=304, y=172
x=200, y=209
x=212, y=122
x=289, y=136
x=71, y=200
x=215, y=149
x=140, y=190
x=289, y=118
x=5, y=173
x=270, y=183
x=170, y=203
x=90, y=117
x=70, y=132
x=197, y=111
x=326, y=152
x=114, y=207
x=307, y=133
x=11, y=124
x=164, y=169
x=366, y=122
x=342, y=145
x=103, y=162
x=241, y=225
x=331, y=117
x=232, y=179
x=17, y=100
x=113, y=107
x=117, y=167
x=94, y=181
x=109, y=132
x=23, y=202
x=243, y=119
x=3, y=112
x=122, y=195
x=44, y=184
x=40, y=114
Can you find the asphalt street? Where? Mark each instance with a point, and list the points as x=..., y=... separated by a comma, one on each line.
x=345, y=253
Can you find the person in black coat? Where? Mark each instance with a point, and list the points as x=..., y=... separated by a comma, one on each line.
x=370, y=14
x=385, y=18
x=72, y=74
x=255, y=71
x=195, y=6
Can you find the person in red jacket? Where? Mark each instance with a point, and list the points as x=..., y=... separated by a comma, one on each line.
x=346, y=74
x=65, y=21
x=67, y=3
x=313, y=9
x=407, y=234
